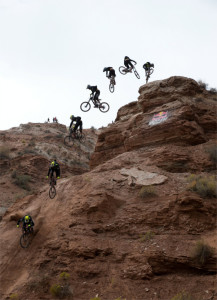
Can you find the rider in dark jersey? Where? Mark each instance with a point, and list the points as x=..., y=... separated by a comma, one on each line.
x=78, y=123
x=128, y=63
x=95, y=93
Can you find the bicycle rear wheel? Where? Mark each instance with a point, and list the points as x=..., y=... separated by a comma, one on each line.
x=104, y=107
x=111, y=87
x=85, y=106
x=122, y=70
x=25, y=240
x=52, y=192
x=68, y=140
x=136, y=73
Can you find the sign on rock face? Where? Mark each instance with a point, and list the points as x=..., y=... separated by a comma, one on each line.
x=159, y=118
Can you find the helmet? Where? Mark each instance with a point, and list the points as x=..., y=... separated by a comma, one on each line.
x=104, y=69
x=52, y=164
x=72, y=117
x=126, y=57
x=88, y=86
x=26, y=219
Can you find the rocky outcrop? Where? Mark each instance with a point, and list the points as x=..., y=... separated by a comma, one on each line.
x=191, y=119
x=128, y=228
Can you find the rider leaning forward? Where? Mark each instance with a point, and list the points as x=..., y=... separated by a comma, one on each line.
x=78, y=123
x=54, y=167
x=27, y=221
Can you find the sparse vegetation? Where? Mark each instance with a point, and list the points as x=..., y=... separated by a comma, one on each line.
x=147, y=236
x=93, y=129
x=21, y=180
x=183, y=296
x=205, y=186
x=62, y=290
x=213, y=91
x=14, y=296
x=202, y=84
x=212, y=150
x=4, y=152
x=201, y=253
x=147, y=191
x=95, y=298
x=64, y=276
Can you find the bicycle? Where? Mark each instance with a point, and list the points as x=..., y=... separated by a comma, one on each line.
x=26, y=237
x=148, y=73
x=124, y=71
x=112, y=84
x=77, y=135
x=52, y=190
x=103, y=106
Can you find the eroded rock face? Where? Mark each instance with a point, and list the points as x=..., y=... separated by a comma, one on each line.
x=104, y=229
x=191, y=119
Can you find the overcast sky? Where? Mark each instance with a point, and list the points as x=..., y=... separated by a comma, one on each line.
x=51, y=49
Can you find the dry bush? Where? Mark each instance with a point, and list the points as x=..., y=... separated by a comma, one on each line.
x=14, y=296
x=147, y=191
x=212, y=150
x=21, y=180
x=213, y=91
x=183, y=296
x=202, y=84
x=204, y=186
x=147, y=236
x=4, y=152
x=201, y=253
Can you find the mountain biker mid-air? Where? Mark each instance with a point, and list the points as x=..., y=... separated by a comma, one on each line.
x=95, y=93
x=78, y=123
x=54, y=167
x=147, y=66
x=110, y=73
x=27, y=220
x=128, y=64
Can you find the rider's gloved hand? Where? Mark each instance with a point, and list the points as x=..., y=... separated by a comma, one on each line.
x=29, y=225
x=47, y=177
x=18, y=226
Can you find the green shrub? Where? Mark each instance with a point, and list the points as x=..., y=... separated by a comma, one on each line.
x=147, y=191
x=14, y=296
x=204, y=186
x=4, y=152
x=212, y=150
x=183, y=296
x=201, y=253
x=55, y=290
x=64, y=276
x=22, y=180
x=147, y=236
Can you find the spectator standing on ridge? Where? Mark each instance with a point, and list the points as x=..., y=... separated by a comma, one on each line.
x=128, y=62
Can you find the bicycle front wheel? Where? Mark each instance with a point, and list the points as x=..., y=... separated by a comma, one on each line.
x=81, y=137
x=24, y=240
x=136, y=73
x=111, y=87
x=85, y=106
x=122, y=70
x=69, y=141
x=104, y=107
x=52, y=192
